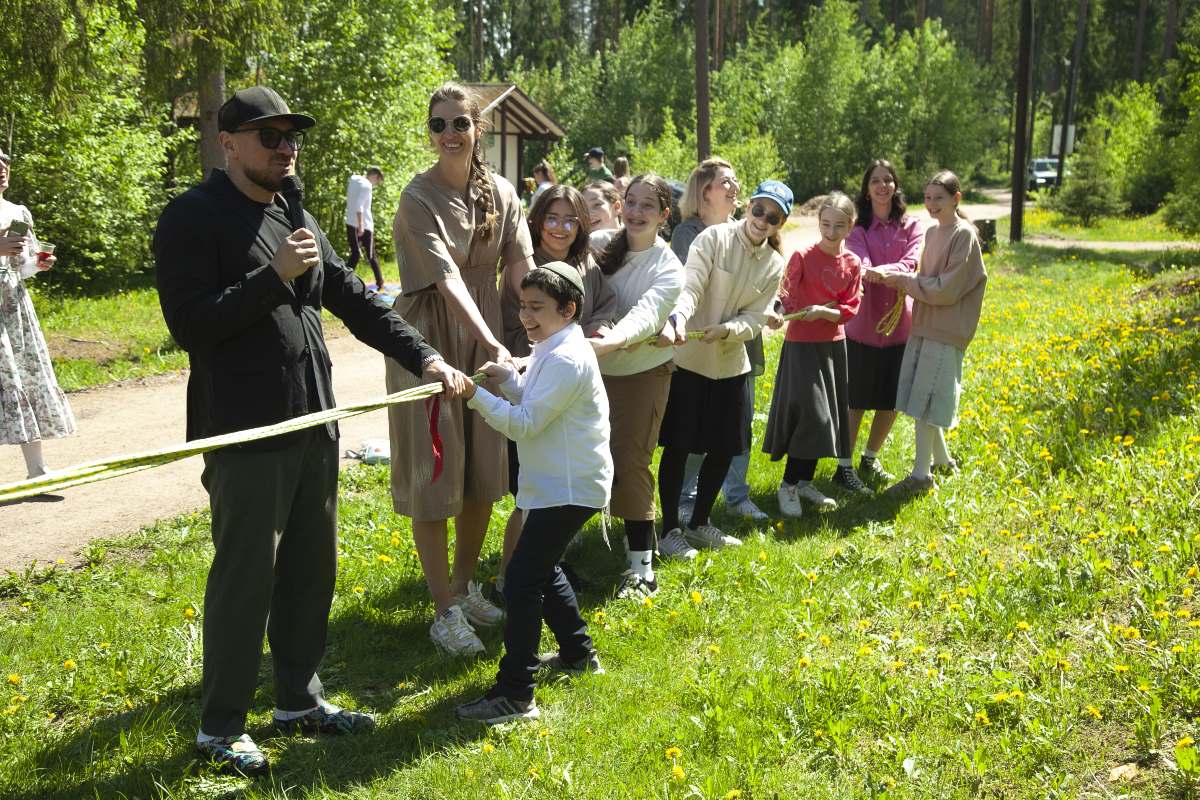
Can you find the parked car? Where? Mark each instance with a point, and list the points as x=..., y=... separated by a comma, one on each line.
x=1042, y=173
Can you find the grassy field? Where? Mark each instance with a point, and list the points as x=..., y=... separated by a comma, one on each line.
x=1044, y=222
x=1030, y=630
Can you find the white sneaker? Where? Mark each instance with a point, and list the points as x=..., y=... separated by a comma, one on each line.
x=747, y=509
x=710, y=537
x=477, y=608
x=814, y=496
x=453, y=635
x=789, y=501
x=673, y=545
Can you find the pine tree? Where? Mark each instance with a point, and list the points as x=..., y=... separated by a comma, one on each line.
x=1089, y=191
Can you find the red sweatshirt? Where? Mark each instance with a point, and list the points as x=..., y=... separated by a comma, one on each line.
x=814, y=277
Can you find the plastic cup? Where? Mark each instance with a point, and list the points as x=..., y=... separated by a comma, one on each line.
x=45, y=250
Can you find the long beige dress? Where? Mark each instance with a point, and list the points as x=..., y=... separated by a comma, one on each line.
x=436, y=235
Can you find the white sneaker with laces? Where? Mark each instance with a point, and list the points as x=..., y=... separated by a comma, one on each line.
x=477, y=608
x=453, y=635
x=747, y=509
x=789, y=501
x=813, y=495
x=710, y=537
x=673, y=545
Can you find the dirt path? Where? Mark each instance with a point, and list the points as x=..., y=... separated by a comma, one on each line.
x=138, y=416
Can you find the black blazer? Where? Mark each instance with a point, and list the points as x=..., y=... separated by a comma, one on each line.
x=254, y=341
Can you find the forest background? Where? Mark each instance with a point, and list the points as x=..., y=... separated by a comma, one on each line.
x=99, y=99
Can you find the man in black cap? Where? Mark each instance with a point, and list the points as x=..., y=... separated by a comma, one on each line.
x=242, y=294
x=597, y=170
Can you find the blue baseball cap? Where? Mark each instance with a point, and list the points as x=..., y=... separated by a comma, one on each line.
x=777, y=191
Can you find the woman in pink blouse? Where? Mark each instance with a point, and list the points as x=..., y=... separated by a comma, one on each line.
x=883, y=236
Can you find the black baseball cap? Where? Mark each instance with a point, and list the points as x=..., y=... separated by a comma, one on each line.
x=256, y=104
x=596, y=152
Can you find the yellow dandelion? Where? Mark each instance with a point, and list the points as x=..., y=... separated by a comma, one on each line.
x=599, y=617
x=1062, y=664
x=1186, y=741
x=533, y=773
x=762, y=555
x=14, y=679
x=677, y=773
x=69, y=665
x=189, y=613
x=824, y=640
x=915, y=605
x=1165, y=547
x=999, y=697
x=696, y=597
x=808, y=601
x=804, y=662
x=802, y=635
x=981, y=717
x=864, y=651
x=1093, y=712
x=488, y=747
x=930, y=672
x=673, y=753
x=358, y=590
x=714, y=649
x=1120, y=669
x=384, y=558
x=648, y=601
x=733, y=794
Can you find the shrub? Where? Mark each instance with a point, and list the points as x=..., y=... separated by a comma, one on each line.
x=1089, y=191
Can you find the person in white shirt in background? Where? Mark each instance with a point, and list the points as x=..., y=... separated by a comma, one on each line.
x=360, y=224
x=557, y=413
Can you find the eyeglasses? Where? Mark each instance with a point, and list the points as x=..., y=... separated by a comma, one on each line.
x=772, y=217
x=461, y=123
x=271, y=137
x=568, y=224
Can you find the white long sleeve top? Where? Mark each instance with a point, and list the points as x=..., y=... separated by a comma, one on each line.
x=558, y=416
x=647, y=288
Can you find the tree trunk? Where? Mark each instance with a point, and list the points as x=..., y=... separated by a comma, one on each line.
x=1072, y=83
x=703, y=142
x=1017, y=215
x=718, y=34
x=1170, y=30
x=210, y=73
x=920, y=17
x=983, y=44
x=1139, y=40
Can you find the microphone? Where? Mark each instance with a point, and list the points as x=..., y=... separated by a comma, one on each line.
x=293, y=193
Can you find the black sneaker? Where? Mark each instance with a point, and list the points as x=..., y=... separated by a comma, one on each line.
x=321, y=720
x=494, y=710
x=848, y=479
x=635, y=587
x=873, y=473
x=554, y=663
x=945, y=470
x=237, y=755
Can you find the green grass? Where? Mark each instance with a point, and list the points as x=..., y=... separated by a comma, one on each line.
x=96, y=340
x=1015, y=635
x=1044, y=222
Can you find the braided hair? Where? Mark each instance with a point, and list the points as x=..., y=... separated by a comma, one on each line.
x=481, y=176
x=613, y=256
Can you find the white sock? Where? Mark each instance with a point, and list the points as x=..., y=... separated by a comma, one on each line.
x=845, y=462
x=924, y=449
x=284, y=716
x=869, y=453
x=204, y=738
x=941, y=455
x=641, y=563
x=35, y=465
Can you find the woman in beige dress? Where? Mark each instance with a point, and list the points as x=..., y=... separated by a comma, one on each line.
x=458, y=225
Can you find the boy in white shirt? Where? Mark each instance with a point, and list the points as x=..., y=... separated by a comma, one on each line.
x=558, y=416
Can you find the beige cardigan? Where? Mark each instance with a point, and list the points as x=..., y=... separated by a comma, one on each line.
x=948, y=286
x=727, y=281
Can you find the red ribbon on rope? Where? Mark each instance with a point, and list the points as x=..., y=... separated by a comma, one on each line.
x=433, y=407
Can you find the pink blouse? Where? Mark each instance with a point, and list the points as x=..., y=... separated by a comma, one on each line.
x=814, y=277
x=886, y=243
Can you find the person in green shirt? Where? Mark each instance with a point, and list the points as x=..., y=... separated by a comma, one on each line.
x=597, y=170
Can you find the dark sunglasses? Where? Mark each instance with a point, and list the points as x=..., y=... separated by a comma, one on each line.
x=461, y=123
x=772, y=217
x=271, y=137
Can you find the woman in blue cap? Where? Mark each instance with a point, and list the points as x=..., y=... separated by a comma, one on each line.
x=731, y=279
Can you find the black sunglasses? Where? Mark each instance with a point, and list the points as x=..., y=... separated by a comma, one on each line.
x=772, y=217
x=271, y=137
x=461, y=123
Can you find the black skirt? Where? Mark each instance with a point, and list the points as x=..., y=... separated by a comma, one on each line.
x=708, y=415
x=874, y=375
x=810, y=415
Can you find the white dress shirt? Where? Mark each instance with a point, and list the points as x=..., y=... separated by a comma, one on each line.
x=358, y=198
x=559, y=419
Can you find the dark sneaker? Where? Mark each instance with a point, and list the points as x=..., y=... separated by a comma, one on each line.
x=635, y=587
x=945, y=470
x=911, y=487
x=848, y=479
x=321, y=720
x=554, y=663
x=235, y=754
x=873, y=473
x=494, y=710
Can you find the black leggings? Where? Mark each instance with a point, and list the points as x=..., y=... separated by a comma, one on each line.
x=639, y=533
x=671, y=467
x=799, y=469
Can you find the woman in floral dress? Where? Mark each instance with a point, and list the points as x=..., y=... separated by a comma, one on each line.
x=32, y=406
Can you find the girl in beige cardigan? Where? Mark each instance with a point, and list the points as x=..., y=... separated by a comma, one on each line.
x=947, y=290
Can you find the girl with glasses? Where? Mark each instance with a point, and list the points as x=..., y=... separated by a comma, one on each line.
x=34, y=407
x=457, y=224
x=809, y=417
x=559, y=229
x=731, y=279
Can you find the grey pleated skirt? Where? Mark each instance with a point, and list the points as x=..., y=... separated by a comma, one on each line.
x=810, y=411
